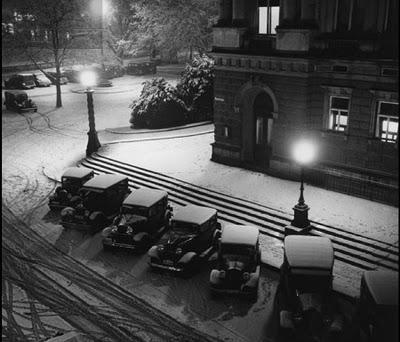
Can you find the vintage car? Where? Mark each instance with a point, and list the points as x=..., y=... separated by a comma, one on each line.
x=52, y=76
x=377, y=314
x=143, y=218
x=18, y=101
x=20, y=81
x=238, y=261
x=304, y=295
x=114, y=70
x=141, y=68
x=189, y=240
x=67, y=195
x=41, y=80
x=102, y=197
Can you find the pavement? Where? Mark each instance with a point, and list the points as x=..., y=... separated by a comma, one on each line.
x=346, y=277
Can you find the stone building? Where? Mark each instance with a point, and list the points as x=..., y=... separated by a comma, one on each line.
x=326, y=70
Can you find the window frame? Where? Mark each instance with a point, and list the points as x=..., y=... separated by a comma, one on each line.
x=378, y=133
x=332, y=124
x=269, y=28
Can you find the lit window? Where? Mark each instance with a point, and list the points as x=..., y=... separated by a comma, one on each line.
x=387, y=122
x=338, y=113
x=259, y=130
x=268, y=16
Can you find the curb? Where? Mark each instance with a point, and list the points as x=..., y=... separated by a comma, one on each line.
x=160, y=138
x=142, y=131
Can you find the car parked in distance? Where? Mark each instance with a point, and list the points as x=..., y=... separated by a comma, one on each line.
x=18, y=101
x=52, y=76
x=67, y=195
x=143, y=218
x=41, y=80
x=20, y=81
x=304, y=296
x=72, y=75
x=189, y=240
x=102, y=197
x=376, y=317
x=141, y=68
x=238, y=261
x=114, y=70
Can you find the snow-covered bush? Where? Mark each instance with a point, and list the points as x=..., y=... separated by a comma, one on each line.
x=158, y=106
x=196, y=88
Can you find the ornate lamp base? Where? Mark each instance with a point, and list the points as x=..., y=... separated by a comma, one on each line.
x=93, y=143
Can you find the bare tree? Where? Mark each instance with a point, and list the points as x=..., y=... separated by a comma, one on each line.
x=43, y=26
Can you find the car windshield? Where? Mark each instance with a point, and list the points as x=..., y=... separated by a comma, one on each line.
x=69, y=183
x=135, y=210
x=236, y=252
x=311, y=283
x=27, y=78
x=181, y=227
x=94, y=200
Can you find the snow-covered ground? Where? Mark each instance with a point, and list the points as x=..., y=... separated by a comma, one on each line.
x=54, y=139
x=188, y=159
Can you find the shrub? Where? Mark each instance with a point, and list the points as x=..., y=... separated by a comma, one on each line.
x=196, y=88
x=158, y=106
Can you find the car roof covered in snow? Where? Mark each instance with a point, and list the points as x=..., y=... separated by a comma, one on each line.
x=238, y=234
x=103, y=181
x=144, y=197
x=77, y=172
x=309, y=252
x=194, y=214
x=383, y=287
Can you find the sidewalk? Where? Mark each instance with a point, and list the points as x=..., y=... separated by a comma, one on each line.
x=184, y=153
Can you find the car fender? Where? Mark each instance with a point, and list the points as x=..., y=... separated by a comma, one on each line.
x=106, y=232
x=140, y=236
x=187, y=257
x=254, y=278
x=152, y=253
x=67, y=211
x=214, y=277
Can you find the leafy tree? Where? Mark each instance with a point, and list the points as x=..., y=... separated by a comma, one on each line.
x=195, y=88
x=158, y=106
x=168, y=26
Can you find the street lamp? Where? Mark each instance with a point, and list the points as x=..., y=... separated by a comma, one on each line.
x=303, y=153
x=88, y=80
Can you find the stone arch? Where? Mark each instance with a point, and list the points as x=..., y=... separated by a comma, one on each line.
x=253, y=88
x=244, y=103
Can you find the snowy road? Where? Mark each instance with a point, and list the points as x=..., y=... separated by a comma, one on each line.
x=34, y=140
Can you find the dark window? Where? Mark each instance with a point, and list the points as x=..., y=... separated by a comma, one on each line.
x=343, y=14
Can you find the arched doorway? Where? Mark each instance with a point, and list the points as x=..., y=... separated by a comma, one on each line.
x=263, y=119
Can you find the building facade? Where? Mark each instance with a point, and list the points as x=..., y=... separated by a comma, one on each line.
x=325, y=70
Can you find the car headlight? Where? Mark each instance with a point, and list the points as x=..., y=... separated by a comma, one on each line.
x=160, y=248
x=222, y=274
x=23, y=83
x=178, y=251
x=246, y=276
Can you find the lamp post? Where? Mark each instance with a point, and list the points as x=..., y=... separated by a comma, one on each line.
x=303, y=153
x=88, y=80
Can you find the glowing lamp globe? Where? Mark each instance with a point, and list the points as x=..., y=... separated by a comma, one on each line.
x=304, y=152
x=88, y=79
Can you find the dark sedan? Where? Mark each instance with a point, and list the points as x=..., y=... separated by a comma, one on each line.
x=20, y=81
